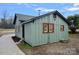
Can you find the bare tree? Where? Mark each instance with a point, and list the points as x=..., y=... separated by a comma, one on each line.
x=3, y=19
x=4, y=15
x=6, y=20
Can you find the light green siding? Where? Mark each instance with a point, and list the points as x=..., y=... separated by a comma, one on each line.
x=18, y=26
x=54, y=37
x=63, y=35
x=18, y=29
x=38, y=37
x=27, y=33
x=34, y=31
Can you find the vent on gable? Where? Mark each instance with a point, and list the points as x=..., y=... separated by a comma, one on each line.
x=54, y=16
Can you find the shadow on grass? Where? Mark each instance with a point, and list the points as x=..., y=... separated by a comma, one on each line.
x=73, y=32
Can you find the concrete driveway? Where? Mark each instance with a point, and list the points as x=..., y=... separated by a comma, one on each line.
x=8, y=46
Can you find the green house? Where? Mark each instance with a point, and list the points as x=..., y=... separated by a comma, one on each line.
x=43, y=29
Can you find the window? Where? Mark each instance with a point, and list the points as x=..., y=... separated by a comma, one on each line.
x=45, y=27
x=51, y=27
x=62, y=28
x=54, y=16
x=48, y=27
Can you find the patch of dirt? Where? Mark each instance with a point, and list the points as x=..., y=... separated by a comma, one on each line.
x=59, y=48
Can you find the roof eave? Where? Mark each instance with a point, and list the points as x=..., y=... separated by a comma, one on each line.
x=14, y=19
x=56, y=12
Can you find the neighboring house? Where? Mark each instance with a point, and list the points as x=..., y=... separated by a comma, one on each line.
x=43, y=29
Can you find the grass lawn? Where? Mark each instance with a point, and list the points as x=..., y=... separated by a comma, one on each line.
x=24, y=46
x=4, y=31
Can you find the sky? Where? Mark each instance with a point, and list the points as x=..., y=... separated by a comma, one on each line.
x=32, y=8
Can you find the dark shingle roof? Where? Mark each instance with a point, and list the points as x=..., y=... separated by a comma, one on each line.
x=22, y=17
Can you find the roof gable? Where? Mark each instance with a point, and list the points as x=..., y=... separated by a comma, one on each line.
x=53, y=12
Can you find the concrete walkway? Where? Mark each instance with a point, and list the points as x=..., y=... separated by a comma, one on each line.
x=8, y=46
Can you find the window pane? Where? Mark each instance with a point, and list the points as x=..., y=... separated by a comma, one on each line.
x=51, y=27
x=62, y=27
x=45, y=27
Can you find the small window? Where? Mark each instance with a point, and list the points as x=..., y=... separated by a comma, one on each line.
x=62, y=28
x=54, y=16
x=45, y=27
x=51, y=27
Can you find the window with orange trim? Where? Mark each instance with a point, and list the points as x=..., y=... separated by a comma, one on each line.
x=45, y=28
x=48, y=27
x=51, y=27
x=62, y=28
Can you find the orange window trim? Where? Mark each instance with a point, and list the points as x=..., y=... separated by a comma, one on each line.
x=45, y=24
x=62, y=27
x=51, y=27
